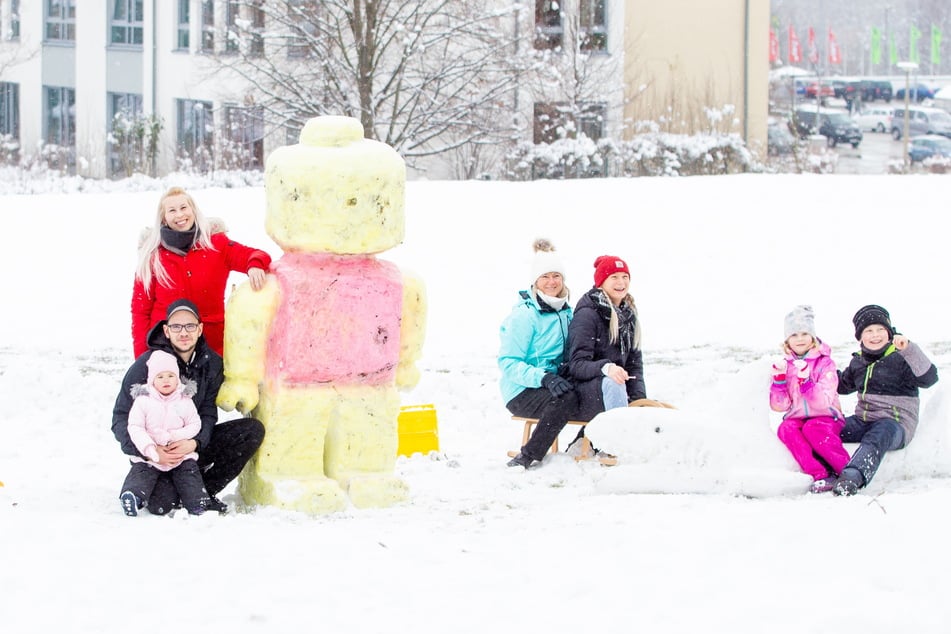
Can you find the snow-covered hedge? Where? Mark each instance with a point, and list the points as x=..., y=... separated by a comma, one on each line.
x=653, y=154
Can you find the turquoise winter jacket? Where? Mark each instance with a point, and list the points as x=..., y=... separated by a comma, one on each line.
x=533, y=339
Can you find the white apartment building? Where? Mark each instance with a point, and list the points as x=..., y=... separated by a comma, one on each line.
x=67, y=67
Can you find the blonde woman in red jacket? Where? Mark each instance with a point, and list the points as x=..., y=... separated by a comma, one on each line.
x=187, y=256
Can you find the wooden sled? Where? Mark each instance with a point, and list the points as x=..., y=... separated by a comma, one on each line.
x=649, y=402
x=587, y=453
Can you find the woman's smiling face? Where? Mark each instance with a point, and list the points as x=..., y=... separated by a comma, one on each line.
x=179, y=214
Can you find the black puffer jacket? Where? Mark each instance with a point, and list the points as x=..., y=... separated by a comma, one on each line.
x=206, y=371
x=590, y=349
x=887, y=383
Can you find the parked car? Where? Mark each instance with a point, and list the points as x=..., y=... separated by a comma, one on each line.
x=921, y=121
x=823, y=90
x=779, y=140
x=916, y=93
x=875, y=89
x=928, y=146
x=874, y=118
x=845, y=88
x=834, y=125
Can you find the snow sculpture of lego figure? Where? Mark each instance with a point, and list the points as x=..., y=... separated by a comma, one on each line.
x=321, y=351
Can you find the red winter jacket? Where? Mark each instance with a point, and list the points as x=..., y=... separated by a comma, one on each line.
x=200, y=276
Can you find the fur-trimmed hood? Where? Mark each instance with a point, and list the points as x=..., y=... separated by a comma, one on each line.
x=187, y=387
x=216, y=225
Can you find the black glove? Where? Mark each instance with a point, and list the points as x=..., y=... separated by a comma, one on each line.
x=556, y=385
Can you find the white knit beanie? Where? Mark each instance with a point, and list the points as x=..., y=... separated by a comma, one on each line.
x=546, y=260
x=800, y=319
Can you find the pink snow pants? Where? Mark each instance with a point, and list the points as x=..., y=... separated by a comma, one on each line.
x=807, y=438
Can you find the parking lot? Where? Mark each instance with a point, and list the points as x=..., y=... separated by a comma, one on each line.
x=872, y=156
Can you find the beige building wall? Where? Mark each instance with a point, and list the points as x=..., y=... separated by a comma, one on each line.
x=683, y=57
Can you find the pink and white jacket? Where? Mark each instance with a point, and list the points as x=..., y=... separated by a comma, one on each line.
x=810, y=390
x=157, y=419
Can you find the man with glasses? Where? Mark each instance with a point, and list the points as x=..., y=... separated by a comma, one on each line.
x=223, y=448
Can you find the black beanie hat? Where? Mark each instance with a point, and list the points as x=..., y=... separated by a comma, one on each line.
x=871, y=314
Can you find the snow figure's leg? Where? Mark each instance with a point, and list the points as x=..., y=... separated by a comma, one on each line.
x=823, y=435
x=288, y=469
x=790, y=432
x=361, y=445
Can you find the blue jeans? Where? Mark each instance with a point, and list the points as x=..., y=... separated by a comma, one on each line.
x=874, y=440
x=612, y=394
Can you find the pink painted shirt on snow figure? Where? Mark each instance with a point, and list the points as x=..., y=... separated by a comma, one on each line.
x=338, y=320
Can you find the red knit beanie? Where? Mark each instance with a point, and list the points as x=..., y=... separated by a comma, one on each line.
x=607, y=265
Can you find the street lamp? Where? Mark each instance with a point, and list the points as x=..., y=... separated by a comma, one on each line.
x=908, y=68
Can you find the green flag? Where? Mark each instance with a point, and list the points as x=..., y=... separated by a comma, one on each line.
x=913, y=44
x=935, y=45
x=892, y=50
x=876, y=46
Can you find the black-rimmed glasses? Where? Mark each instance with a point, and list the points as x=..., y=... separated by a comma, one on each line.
x=178, y=327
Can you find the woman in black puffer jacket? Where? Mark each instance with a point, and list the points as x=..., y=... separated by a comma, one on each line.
x=604, y=342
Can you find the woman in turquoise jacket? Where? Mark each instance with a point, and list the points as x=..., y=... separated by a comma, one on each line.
x=532, y=356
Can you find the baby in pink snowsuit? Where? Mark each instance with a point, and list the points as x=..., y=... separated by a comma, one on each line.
x=804, y=388
x=163, y=412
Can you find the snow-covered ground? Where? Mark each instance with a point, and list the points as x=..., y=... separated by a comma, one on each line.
x=703, y=526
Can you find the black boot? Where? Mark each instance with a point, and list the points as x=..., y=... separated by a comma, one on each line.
x=521, y=460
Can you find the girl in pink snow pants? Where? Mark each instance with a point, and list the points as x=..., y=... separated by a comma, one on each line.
x=804, y=388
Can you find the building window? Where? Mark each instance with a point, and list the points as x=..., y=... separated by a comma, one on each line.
x=207, y=26
x=183, y=32
x=303, y=29
x=14, y=32
x=125, y=26
x=60, y=116
x=196, y=133
x=9, y=115
x=59, y=127
x=244, y=137
x=60, y=19
x=125, y=144
x=593, y=26
x=232, y=38
x=292, y=130
x=560, y=121
x=549, y=30
x=256, y=48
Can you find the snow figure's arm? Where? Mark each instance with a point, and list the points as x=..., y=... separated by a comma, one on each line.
x=140, y=437
x=248, y=319
x=412, y=331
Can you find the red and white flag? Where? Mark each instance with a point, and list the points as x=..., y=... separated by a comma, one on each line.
x=795, y=49
x=773, y=46
x=835, y=54
x=813, y=50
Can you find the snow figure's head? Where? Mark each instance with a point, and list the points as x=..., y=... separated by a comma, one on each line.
x=335, y=191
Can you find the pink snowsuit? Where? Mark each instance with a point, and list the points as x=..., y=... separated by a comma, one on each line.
x=813, y=417
x=156, y=419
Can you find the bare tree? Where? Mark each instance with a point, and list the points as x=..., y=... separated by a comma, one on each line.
x=424, y=76
x=575, y=82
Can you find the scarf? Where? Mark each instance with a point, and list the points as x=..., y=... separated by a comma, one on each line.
x=555, y=303
x=627, y=319
x=179, y=242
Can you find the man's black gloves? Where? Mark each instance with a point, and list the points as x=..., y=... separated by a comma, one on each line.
x=556, y=385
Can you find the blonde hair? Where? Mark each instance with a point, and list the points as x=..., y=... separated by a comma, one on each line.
x=149, y=262
x=614, y=325
x=788, y=350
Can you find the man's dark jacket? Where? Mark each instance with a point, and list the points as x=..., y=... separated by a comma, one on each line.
x=206, y=370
